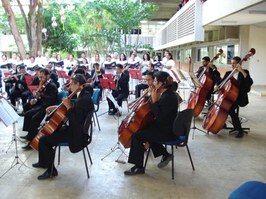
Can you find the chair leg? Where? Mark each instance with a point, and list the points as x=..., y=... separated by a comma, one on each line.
x=146, y=159
x=190, y=158
x=89, y=154
x=58, y=163
x=96, y=116
x=85, y=160
x=93, y=118
x=173, y=168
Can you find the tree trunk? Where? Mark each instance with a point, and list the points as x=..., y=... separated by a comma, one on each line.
x=39, y=27
x=33, y=26
x=14, y=27
x=26, y=22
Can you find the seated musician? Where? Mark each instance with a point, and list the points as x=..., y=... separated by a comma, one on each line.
x=245, y=82
x=97, y=74
x=89, y=86
x=164, y=107
x=71, y=131
x=53, y=74
x=121, y=92
x=35, y=108
x=142, y=86
x=213, y=72
x=20, y=88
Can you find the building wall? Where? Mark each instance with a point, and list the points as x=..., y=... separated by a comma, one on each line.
x=257, y=63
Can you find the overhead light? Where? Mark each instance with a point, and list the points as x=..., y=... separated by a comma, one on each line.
x=229, y=22
x=258, y=12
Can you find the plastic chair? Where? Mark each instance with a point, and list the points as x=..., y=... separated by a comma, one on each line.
x=61, y=95
x=249, y=190
x=87, y=128
x=181, y=127
x=96, y=101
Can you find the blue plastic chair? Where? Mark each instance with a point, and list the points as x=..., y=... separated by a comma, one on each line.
x=96, y=101
x=181, y=127
x=250, y=190
x=61, y=95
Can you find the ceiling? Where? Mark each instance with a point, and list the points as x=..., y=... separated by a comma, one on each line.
x=255, y=15
x=167, y=9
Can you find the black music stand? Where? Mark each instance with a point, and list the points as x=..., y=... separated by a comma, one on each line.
x=196, y=84
x=8, y=116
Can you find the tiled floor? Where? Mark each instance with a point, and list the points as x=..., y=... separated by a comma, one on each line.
x=222, y=163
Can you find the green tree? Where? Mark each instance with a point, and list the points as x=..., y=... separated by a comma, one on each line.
x=127, y=14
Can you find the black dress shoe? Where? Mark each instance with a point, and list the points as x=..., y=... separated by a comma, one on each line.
x=164, y=162
x=134, y=171
x=26, y=137
x=38, y=165
x=26, y=147
x=48, y=174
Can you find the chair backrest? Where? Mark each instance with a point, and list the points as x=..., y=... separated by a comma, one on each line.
x=96, y=98
x=182, y=123
x=87, y=127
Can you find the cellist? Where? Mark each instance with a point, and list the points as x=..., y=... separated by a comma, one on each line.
x=213, y=72
x=245, y=82
x=70, y=132
x=164, y=106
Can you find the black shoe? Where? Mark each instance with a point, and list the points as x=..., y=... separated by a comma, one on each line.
x=38, y=165
x=112, y=112
x=48, y=174
x=22, y=114
x=26, y=137
x=26, y=147
x=134, y=171
x=240, y=134
x=164, y=162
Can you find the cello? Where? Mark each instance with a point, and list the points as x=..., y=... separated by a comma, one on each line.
x=56, y=120
x=138, y=118
x=198, y=97
x=228, y=93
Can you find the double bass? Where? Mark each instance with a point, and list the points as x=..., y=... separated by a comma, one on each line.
x=198, y=97
x=57, y=117
x=138, y=118
x=228, y=93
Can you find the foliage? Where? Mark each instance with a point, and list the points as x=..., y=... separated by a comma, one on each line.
x=63, y=37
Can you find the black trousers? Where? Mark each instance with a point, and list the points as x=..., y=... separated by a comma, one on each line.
x=235, y=117
x=32, y=120
x=153, y=135
x=46, y=146
x=139, y=88
x=118, y=97
x=17, y=93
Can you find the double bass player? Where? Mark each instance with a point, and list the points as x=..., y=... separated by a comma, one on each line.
x=244, y=84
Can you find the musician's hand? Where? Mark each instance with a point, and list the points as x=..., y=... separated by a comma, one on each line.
x=50, y=109
x=215, y=88
x=33, y=101
x=67, y=103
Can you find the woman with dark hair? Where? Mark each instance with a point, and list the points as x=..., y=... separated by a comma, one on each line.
x=164, y=106
x=157, y=62
x=145, y=63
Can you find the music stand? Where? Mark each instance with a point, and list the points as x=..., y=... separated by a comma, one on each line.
x=196, y=84
x=135, y=74
x=117, y=146
x=8, y=116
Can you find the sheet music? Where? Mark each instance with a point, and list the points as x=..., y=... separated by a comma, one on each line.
x=181, y=75
x=7, y=114
x=194, y=79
